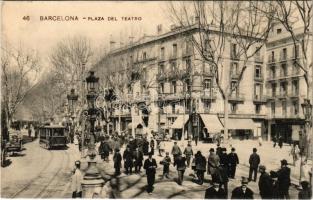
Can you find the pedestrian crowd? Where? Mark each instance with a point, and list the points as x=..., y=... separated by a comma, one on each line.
x=219, y=165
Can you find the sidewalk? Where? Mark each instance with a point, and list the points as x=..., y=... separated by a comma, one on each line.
x=133, y=186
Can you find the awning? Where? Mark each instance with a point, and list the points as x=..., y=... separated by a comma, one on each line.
x=240, y=124
x=180, y=121
x=212, y=123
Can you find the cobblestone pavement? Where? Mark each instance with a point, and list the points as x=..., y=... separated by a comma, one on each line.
x=133, y=186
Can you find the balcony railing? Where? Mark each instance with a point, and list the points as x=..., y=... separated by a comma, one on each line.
x=282, y=95
x=174, y=96
x=236, y=98
x=187, y=53
x=209, y=95
x=161, y=59
x=283, y=58
x=259, y=59
x=173, y=56
x=234, y=75
x=271, y=60
x=234, y=56
x=259, y=99
x=258, y=78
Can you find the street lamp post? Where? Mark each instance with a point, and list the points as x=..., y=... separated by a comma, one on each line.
x=305, y=145
x=92, y=178
x=72, y=99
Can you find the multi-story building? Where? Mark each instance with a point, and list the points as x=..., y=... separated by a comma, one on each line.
x=168, y=74
x=285, y=84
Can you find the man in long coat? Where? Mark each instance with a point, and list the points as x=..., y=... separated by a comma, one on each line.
x=138, y=156
x=233, y=161
x=265, y=184
x=254, y=162
x=284, y=179
x=117, y=158
x=213, y=162
x=242, y=192
x=180, y=163
x=200, y=163
x=128, y=160
x=150, y=166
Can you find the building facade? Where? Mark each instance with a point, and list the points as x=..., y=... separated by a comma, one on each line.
x=162, y=82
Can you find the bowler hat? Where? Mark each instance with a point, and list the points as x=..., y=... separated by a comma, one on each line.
x=211, y=150
x=273, y=174
x=284, y=162
x=244, y=180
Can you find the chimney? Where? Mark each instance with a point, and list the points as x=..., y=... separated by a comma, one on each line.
x=159, y=29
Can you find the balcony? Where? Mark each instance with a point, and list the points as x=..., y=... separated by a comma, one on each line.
x=236, y=98
x=271, y=97
x=143, y=60
x=294, y=95
x=209, y=95
x=174, y=97
x=271, y=60
x=282, y=95
x=161, y=59
x=161, y=76
x=259, y=78
x=173, y=56
x=258, y=59
x=234, y=56
x=187, y=53
x=234, y=75
x=208, y=73
x=259, y=99
x=283, y=58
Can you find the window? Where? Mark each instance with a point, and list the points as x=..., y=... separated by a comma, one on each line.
x=174, y=49
x=162, y=70
x=188, y=84
x=234, y=68
x=173, y=66
x=207, y=68
x=233, y=53
x=273, y=71
x=273, y=56
x=296, y=51
x=274, y=89
x=207, y=45
x=207, y=84
x=284, y=70
x=162, y=53
x=257, y=91
x=278, y=30
x=173, y=87
x=206, y=105
x=295, y=87
x=258, y=72
x=283, y=88
x=144, y=55
x=173, y=108
x=188, y=65
x=284, y=108
x=273, y=108
x=234, y=88
x=295, y=107
x=284, y=56
x=233, y=108
x=161, y=88
x=257, y=109
x=295, y=69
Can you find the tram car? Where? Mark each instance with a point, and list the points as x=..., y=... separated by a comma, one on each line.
x=52, y=136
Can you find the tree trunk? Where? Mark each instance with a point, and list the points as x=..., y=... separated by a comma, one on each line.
x=226, y=118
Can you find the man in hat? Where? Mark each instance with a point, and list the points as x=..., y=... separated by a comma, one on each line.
x=180, y=163
x=117, y=158
x=265, y=183
x=254, y=162
x=284, y=179
x=128, y=160
x=150, y=166
x=242, y=192
x=305, y=192
x=77, y=181
x=188, y=153
x=215, y=192
x=176, y=150
x=138, y=156
x=213, y=162
x=275, y=189
x=233, y=161
x=166, y=165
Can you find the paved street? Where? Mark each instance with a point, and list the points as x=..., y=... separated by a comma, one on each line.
x=39, y=173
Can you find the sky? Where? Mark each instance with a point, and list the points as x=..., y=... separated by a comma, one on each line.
x=43, y=35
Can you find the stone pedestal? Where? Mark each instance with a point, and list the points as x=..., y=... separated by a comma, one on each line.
x=93, y=182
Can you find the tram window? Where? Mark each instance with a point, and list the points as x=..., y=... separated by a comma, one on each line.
x=57, y=132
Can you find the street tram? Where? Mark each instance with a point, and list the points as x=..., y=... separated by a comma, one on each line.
x=52, y=136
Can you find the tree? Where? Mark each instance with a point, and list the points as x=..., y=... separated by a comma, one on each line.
x=20, y=69
x=69, y=59
x=222, y=26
